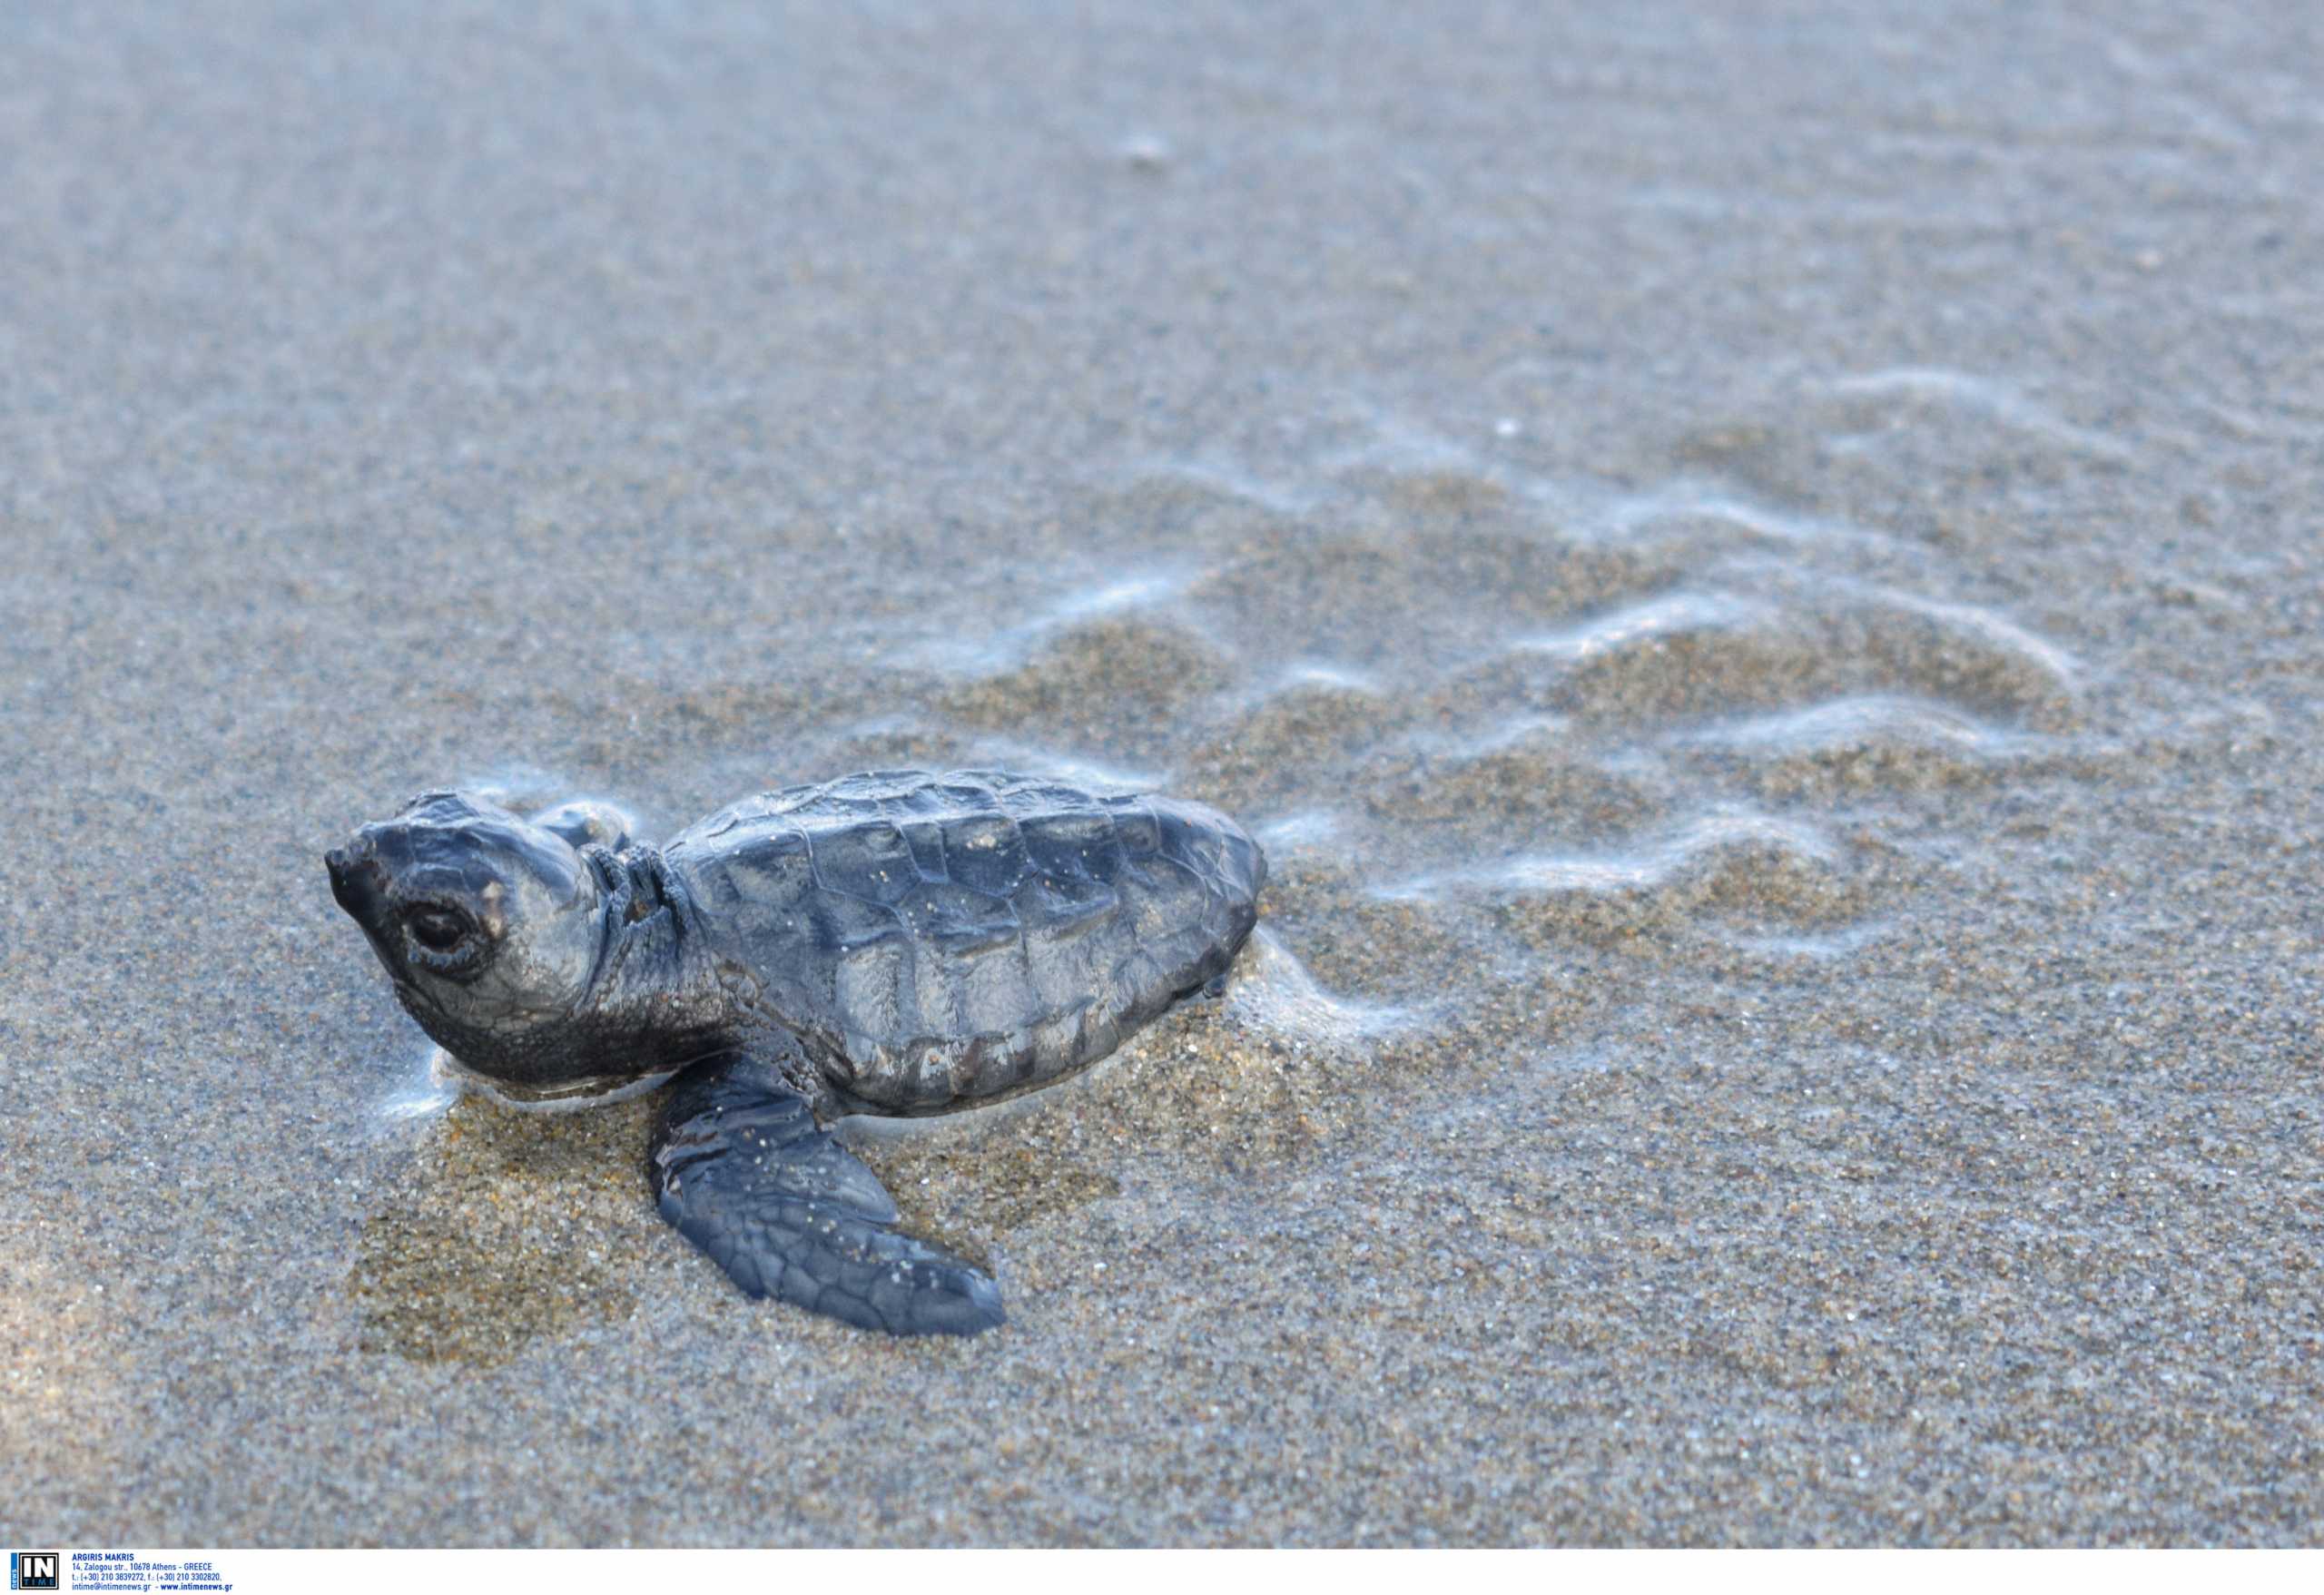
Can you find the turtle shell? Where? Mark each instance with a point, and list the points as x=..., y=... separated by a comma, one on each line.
x=936, y=941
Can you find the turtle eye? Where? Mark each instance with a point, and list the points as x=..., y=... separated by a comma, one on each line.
x=438, y=930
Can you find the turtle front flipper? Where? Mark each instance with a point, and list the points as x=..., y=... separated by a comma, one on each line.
x=741, y=1169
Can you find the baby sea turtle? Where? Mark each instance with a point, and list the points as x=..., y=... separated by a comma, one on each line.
x=895, y=944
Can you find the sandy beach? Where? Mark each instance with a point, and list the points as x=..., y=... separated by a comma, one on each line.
x=1758, y=578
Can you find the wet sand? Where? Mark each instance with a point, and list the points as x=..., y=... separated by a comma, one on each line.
x=1759, y=583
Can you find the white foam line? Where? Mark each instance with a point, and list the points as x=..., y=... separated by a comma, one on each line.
x=1669, y=616
x=1908, y=719
x=1637, y=870
x=1979, y=394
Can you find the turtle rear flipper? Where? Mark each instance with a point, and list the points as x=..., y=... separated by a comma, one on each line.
x=741, y=1169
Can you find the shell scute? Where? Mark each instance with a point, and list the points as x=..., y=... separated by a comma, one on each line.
x=869, y=860
x=843, y=923
x=958, y=919
x=925, y=836
x=1074, y=846
x=766, y=869
x=872, y=986
x=1139, y=832
x=987, y=853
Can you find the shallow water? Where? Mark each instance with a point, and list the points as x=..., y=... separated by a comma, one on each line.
x=1758, y=582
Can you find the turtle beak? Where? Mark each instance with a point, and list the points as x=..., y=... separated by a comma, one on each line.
x=355, y=881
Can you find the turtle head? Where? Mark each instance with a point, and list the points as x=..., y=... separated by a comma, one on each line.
x=490, y=927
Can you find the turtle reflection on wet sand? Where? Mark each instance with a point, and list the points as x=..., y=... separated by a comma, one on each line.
x=894, y=943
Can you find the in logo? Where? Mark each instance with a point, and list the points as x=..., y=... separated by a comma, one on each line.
x=31, y=1570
